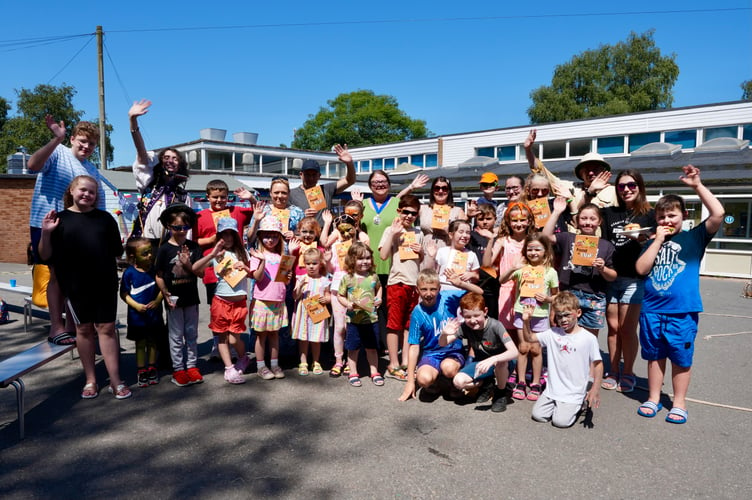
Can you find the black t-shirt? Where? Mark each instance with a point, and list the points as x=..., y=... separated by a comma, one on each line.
x=85, y=247
x=627, y=250
x=179, y=281
x=489, y=341
x=584, y=278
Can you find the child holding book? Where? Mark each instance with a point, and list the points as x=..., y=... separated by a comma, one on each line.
x=310, y=325
x=455, y=259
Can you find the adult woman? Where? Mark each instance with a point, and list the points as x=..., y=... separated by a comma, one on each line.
x=624, y=295
x=440, y=211
x=279, y=192
x=160, y=179
x=538, y=186
x=513, y=190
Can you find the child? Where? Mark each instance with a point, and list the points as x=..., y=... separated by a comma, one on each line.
x=304, y=330
x=229, y=306
x=490, y=344
x=309, y=232
x=179, y=286
x=426, y=321
x=670, y=308
x=481, y=235
x=587, y=283
x=360, y=293
x=83, y=243
x=572, y=354
x=269, y=313
x=455, y=258
x=536, y=253
x=353, y=209
x=139, y=290
x=401, y=242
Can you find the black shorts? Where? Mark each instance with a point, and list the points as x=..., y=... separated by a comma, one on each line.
x=94, y=308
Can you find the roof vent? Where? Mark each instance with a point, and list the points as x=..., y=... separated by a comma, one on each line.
x=657, y=149
x=213, y=134
x=247, y=138
x=722, y=145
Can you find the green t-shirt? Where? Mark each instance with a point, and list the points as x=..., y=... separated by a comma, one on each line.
x=360, y=290
x=384, y=215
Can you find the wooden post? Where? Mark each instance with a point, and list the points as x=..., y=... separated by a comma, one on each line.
x=102, y=131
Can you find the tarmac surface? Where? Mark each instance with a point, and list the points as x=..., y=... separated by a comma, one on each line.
x=317, y=437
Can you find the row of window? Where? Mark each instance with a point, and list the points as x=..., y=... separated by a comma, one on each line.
x=426, y=160
x=254, y=163
x=687, y=139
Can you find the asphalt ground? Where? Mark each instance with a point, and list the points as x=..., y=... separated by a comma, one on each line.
x=317, y=437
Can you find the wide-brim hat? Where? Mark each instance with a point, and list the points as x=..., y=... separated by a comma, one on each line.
x=166, y=216
x=270, y=224
x=591, y=158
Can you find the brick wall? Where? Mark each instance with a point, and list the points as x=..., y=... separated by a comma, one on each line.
x=15, y=202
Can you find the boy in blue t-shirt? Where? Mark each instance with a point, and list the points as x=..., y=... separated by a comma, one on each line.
x=426, y=322
x=672, y=303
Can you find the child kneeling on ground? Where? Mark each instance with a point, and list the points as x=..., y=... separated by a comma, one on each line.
x=491, y=346
x=572, y=353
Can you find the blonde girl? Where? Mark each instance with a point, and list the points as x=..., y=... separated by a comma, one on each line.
x=304, y=330
x=269, y=313
x=309, y=232
x=536, y=252
x=360, y=293
x=229, y=306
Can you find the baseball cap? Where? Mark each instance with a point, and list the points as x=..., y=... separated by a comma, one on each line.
x=311, y=165
x=489, y=177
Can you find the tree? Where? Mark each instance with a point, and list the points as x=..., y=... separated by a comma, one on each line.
x=359, y=118
x=28, y=127
x=624, y=78
x=746, y=90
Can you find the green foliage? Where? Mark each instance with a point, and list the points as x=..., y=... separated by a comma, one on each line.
x=746, y=90
x=359, y=118
x=28, y=127
x=624, y=78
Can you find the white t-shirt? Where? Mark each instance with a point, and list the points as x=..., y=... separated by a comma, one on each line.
x=569, y=357
x=444, y=258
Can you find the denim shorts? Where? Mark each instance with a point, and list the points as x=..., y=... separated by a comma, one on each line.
x=626, y=291
x=593, y=307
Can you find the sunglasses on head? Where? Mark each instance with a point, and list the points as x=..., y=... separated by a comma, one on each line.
x=626, y=185
x=345, y=219
x=279, y=178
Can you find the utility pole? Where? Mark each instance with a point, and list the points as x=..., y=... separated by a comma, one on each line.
x=102, y=137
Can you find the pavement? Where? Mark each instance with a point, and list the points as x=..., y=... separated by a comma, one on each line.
x=317, y=437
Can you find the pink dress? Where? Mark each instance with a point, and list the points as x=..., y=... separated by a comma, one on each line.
x=512, y=252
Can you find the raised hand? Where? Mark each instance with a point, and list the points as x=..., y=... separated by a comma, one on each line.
x=420, y=181
x=530, y=139
x=139, y=108
x=356, y=195
x=600, y=181
x=342, y=153
x=691, y=176
x=57, y=129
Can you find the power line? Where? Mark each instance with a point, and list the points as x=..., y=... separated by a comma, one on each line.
x=30, y=43
x=71, y=59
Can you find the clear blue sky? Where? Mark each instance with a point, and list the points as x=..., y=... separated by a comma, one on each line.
x=460, y=66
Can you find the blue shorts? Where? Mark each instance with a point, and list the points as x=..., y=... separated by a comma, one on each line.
x=469, y=370
x=626, y=291
x=434, y=359
x=669, y=336
x=593, y=306
x=362, y=335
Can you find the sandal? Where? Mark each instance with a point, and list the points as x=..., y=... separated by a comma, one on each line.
x=64, y=338
x=90, y=391
x=336, y=370
x=610, y=383
x=317, y=370
x=121, y=391
x=520, y=391
x=648, y=409
x=303, y=369
x=346, y=370
x=627, y=383
x=354, y=380
x=535, y=392
x=677, y=416
x=396, y=373
x=377, y=379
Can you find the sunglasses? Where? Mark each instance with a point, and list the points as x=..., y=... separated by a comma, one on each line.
x=180, y=228
x=626, y=185
x=487, y=184
x=441, y=188
x=409, y=213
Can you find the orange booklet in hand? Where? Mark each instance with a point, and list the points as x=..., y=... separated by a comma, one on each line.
x=219, y=215
x=315, y=309
x=541, y=211
x=459, y=262
x=533, y=281
x=585, y=250
x=440, y=219
x=282, y=215
x=316, y=198
x=229, y=274
x=286, y=263
x=342, y=249
x=405, y=252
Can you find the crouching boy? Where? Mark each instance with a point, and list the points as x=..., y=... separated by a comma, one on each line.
x=489, y=343
x=572, y=353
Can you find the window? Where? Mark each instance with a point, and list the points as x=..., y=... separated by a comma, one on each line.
x=377, y=164
x=554, y=149
x=218, y=161
x=485, y=152
x=611, y=145
x=715, y=133
x=687, y=139
x=365, y=165
x=272, y=164
x=636, y=141
x=432, y=160
x=579, y=147
x=333, y=169
x=402, y=159
x=506, y=153
x=246, y=162
x=417, y=160
x=747, y=132
x=736, y=221
x=389, y=164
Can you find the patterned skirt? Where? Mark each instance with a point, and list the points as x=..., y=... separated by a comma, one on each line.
x=268, y=316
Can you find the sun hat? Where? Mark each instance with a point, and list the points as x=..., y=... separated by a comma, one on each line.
x=489, y=177
x=166, y=217
x=591, y=158
x=226, y=223
x=270, y=224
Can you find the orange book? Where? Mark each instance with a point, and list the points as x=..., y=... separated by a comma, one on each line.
x=585, y=250
x=405, y=252
x=459, y=261
x=301, y=251
x=283, y=215
x=440, y=219
x=219, y=215
x=533, y=281
x=229, y=274
x=286, y=263
x=316, y=198
x=315, y=309
x=342, y=249
x=541, y=211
